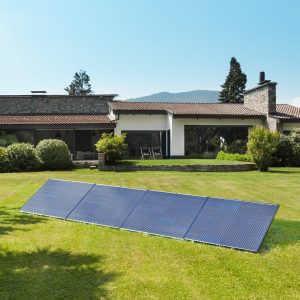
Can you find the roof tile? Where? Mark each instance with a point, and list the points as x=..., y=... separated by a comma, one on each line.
x=53, y=119
x=178, y=109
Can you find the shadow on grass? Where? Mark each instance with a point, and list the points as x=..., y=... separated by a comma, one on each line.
x=11, y=218
x=58, y=274
x=297, y=171
x=281, y=233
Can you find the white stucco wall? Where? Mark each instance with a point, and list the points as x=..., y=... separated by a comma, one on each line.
x=126, y=122
x=177, y=129
x=290, y=126
x=141, y=122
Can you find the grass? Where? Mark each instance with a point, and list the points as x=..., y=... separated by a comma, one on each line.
x=178, y=162
x=47, y=258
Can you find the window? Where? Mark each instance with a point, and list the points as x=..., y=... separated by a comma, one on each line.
x=210, y=139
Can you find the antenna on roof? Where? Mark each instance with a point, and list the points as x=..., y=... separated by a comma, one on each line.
x=36, y=93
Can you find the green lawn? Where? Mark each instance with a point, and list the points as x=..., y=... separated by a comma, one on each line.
x=178, y=162
x=47, y=258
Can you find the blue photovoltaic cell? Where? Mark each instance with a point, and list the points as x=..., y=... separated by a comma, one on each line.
x=56, y=198
x=164, y=214
x=235, y=224
x=107, y=205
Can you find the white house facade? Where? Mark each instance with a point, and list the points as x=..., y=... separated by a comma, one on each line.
x=188, y=129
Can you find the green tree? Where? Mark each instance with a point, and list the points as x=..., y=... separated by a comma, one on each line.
x=261, y=145
x=80, y=85
x=112, y=146
x=235, y=83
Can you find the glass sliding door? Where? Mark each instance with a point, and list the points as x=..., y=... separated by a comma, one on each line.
x=137, y=139
x=209, y=140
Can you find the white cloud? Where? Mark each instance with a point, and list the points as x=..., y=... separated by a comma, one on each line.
x=296, y=102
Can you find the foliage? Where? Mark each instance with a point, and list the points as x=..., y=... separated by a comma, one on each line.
x=284, y=153
x=261, y=145
x=80, y=85
x=234, y=156
x=112, y=146
x=288, y=150
x=235, y=83
x=237, y=146
x=22, y=157
x=295, y=136
x=7, y=139
x=54, y=154
x=3, y=159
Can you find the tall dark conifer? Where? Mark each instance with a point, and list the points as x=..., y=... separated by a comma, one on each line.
x=235, y=83
x=80, y=85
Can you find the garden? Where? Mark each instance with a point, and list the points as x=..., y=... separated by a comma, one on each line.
x=47, y=258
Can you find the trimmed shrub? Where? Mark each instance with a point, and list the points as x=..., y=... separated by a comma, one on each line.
x=54, y=154
x=234, y=156
x=22, y=157
x=112, y=146
x=261, y=145
x=3, y=159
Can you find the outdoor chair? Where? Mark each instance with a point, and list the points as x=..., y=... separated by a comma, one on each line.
x=156, y=152
x=146, y=153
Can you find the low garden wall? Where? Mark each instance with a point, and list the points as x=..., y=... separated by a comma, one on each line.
x=184, y=168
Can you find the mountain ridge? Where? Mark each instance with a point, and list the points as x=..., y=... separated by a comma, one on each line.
x=195, y=96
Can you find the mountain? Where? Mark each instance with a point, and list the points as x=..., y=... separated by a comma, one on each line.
x=202, y=96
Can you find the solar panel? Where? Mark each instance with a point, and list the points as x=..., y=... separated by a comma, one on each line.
x=56, y=198
x=234, y=224
x=164, y=214
x=107, y=205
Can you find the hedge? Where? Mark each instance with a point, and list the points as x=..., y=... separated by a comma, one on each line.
x=22, y=157
x=234, y=156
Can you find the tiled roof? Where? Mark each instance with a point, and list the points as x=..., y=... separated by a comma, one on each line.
x=54, y=119
x=287, y=111
x=187, y=109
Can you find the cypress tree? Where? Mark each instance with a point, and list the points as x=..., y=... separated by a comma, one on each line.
x=234, y=85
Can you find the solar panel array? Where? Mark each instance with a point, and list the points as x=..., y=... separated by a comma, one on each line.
x=230, y=223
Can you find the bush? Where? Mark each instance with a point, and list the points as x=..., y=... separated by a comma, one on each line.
x=237, y=146
x=284, y=154
x=112, y=146
x=3, y=159
x=234, y=156
x=22, y=157
x=7, y=139
x=54, y=154
x=295, y=136
x=261, y=145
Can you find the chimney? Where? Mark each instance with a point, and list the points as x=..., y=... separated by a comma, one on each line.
x=263, y=97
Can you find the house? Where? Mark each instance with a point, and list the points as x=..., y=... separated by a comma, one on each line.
x=183, y=129
x=78, y=120
x=180, y=129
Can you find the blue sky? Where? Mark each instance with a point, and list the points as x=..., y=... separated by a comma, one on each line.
x=139, y=47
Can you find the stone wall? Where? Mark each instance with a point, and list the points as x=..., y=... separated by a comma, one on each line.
x=184, y=168
x=52, y=104
x=272, y=124
x=262, y=98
